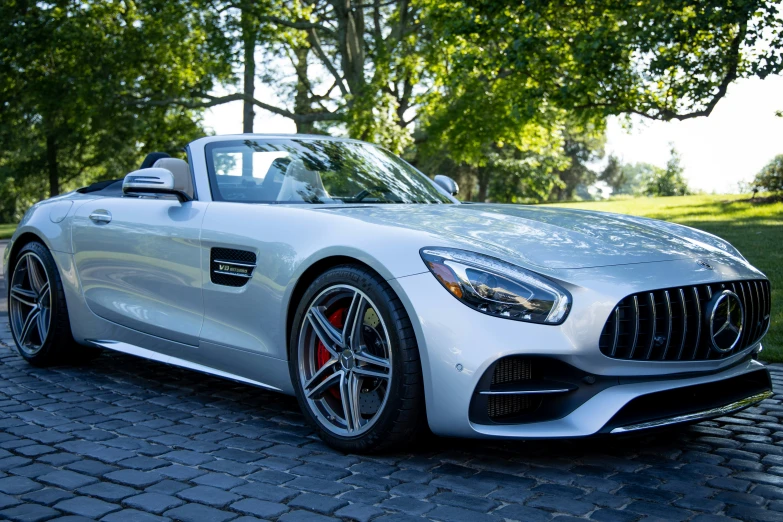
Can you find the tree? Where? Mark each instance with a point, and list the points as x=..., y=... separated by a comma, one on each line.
x=501, y=67
x=770, y=179
x=632, y=178
x=613, y=174
x=583, y=144
x=67, y=72
x=369, y=52
x=668, y=181
x=663, y=59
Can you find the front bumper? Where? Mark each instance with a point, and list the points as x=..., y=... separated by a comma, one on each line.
x=459, y=347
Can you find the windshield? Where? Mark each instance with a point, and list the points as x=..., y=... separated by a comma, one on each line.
x=313, y=171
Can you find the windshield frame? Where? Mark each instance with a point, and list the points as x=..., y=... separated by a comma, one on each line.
x=236, y=141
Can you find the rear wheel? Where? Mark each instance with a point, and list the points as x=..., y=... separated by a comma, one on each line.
x=355, y=363
x=37, y=311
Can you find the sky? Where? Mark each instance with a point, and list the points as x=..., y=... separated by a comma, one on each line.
x=731, y=145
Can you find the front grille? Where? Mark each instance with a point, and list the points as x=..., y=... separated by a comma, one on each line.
x=670, y=324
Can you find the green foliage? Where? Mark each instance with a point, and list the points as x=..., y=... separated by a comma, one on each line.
x=664, y=59
x=522, y=177
x=770, y=179
x=629, y=179
x=71, y=78
x=668, y=181
x=501, y=69
x=583, y=143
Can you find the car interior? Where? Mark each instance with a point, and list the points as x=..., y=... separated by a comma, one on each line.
x=284, y=181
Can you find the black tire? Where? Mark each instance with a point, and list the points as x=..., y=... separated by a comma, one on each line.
x=59, y=346
x=402, y=419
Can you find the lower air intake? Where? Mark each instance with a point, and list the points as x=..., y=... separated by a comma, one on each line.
x=509, y=371
x=501, y=406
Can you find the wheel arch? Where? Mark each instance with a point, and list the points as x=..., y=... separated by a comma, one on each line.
x=17, y=244
x=308, y=276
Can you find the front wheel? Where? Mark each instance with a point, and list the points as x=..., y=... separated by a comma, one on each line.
x=37, y=310
x=355, y=363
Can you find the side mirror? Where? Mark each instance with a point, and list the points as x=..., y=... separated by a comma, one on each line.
x=153, y=180
x=447, y=184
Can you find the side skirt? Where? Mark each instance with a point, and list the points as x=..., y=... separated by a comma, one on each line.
x=118, y=346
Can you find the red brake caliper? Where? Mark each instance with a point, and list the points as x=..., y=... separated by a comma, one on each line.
x=337, y=319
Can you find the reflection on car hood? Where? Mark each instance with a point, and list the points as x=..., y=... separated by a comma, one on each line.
x=550, y=237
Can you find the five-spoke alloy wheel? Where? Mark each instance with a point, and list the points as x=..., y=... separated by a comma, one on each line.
x=355, y=362
x=30, y=303
x=344, y=360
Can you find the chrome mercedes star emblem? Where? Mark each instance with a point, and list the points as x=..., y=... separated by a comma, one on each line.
x=724, y=315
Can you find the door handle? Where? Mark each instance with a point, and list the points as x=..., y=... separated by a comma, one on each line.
x=101, y=216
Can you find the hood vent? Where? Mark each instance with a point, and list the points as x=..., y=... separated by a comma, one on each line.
x=229, y=267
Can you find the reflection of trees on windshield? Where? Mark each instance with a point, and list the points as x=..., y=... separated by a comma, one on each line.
x=350, y=172
x=225, y=163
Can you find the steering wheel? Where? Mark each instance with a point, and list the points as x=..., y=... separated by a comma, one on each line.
x=366, y=192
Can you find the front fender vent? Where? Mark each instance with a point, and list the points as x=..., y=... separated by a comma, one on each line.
x=230, y=267
x=670, y=324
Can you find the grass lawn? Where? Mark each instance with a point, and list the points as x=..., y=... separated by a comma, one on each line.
x=6, y=231
x=756, y=229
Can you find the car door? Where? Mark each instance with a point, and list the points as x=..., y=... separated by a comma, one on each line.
x=139, y=263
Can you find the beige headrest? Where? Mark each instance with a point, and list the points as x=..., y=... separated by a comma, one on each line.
x=301, y=184
x=181, y=171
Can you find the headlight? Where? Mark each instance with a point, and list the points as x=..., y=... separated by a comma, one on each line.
x=496, y=288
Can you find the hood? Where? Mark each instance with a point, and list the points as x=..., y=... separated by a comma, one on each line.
x=549, y=237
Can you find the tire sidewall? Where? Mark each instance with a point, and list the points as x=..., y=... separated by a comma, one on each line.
x=377, y=291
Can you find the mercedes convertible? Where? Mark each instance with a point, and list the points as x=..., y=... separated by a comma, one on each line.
x=334, y=271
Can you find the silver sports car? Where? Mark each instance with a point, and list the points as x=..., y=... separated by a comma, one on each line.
x=332, y=270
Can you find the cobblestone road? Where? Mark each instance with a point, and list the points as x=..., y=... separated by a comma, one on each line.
x=123, y=439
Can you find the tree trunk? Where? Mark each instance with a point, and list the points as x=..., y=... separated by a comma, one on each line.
x=302, y=97
x=483, y=179
x=51, y=161
x=350, y=41
x=249, y=73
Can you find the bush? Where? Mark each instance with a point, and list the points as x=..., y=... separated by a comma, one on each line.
x=668, y=181
x=770, y=179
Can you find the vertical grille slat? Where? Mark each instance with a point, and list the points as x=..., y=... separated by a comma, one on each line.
x=653, y=320
x=616, y=330
x=635, y=337
x=752, y=314
x=767, y=305
x=684, y=323
x=698, y=322
x=759, y=311
x=745, y=312
x=668, y=309
x=670, y=324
